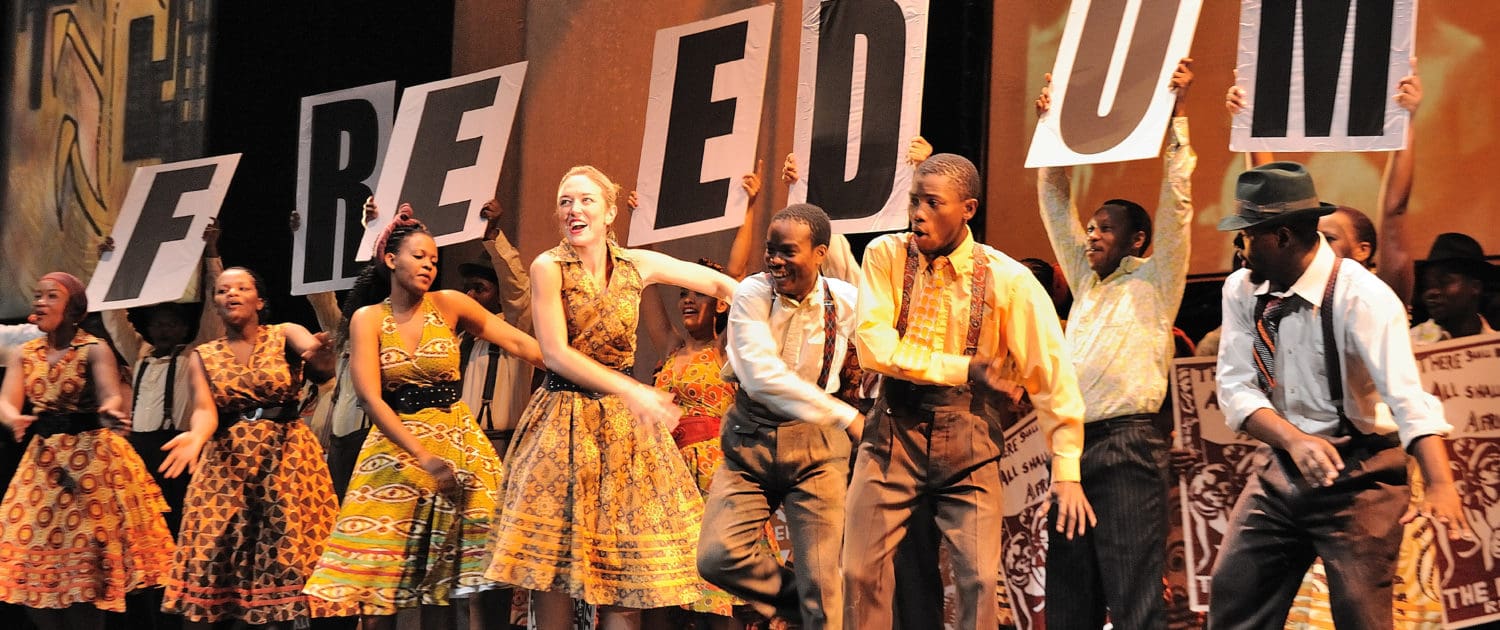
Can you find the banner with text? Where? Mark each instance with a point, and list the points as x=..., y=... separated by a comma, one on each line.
x=1110, y=100
x=1026, y=475
x=708, y=81
x=859, y=104
x=1320, y=75
x=341, y=142
x=159, y=233
x=1465, y=375
x=445, y=153
x=1211, y=487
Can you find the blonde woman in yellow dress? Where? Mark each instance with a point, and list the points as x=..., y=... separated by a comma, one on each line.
x=414, y=524
x=598, y=505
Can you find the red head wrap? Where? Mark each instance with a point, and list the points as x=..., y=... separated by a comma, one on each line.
x=78, y=299
x=403, y=219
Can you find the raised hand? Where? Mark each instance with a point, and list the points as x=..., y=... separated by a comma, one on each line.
x=1044, y=100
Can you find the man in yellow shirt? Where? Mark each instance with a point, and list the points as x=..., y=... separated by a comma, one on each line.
x=939, y=314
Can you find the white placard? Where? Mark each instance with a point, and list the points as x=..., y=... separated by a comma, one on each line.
x=342, y=139
x=1352, y=108
x=445, y=153
x=1110, y=96
x=159, y=233
x=700, y=142
x=859, y=104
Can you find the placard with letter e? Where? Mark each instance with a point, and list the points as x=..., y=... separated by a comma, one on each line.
x=859, y=104
x=1319, y=75
x=1110, y=96
x=708, y=82
x=445, y=153
x=341, y=143
x=159, y=233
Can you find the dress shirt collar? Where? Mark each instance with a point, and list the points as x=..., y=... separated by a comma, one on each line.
x=962, y=257
x=814, y=297
x=1310, y=285
x=1127, y=266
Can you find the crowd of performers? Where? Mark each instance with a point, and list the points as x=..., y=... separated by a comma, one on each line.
x=405, y=458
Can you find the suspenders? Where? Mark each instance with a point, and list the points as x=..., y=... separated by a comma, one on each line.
x=169, y=386
x=976, y=294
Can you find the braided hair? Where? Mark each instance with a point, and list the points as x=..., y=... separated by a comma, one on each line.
x=374, y=282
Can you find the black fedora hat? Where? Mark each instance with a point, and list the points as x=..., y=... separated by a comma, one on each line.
x=1279, y=191
x=1459, y=252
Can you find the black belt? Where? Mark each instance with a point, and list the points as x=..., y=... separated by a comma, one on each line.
x=1118, y=422
x=909, y=395
x=558, y=383
x=409, y=399
x=286, y=412
x=50, y=423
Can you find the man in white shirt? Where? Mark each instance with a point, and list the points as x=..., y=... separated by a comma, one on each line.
x=786, y=440
x=1330, y=481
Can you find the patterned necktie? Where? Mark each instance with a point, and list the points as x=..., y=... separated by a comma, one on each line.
x=930, y=311
x=1266, y=324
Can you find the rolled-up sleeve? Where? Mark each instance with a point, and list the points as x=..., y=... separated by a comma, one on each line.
x=1239, y=394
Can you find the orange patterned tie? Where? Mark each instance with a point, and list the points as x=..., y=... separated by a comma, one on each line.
x=930, y=311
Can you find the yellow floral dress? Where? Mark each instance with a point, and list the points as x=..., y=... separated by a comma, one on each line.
x=399, y=543
x=261, y=504
x=593, y=506
x=81, y=522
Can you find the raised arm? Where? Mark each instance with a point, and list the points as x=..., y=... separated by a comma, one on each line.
x=184, y=448
x=469, y=316
x=1172, y=246
x=1236, y=101
x=325, y=305
x=514, y=284
x=738, y=265
x=210, y=325
x=1394, y=262
x=1059, y=214
x=647, y=404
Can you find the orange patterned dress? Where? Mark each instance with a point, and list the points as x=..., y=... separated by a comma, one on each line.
x=697, y=386
x=399, y=542
x=593, y=506
x=261, y=504
x=82, y=520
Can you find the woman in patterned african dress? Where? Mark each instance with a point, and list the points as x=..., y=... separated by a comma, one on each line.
x=260, y=502
x=414, y=523
x=81, y=524
x=594, y=506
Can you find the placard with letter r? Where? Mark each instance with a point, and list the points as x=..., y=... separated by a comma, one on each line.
x=1319, y=75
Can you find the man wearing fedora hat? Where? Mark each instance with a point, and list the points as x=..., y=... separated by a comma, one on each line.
x=1452, y=285
x=1309, y=347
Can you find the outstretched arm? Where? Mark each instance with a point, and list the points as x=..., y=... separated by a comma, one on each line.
x=1394, y=262
x=740, y=250
x=470, y=316
x=1059, y=214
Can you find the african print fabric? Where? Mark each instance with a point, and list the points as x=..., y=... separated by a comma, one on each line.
x=82, y=520
x=593, y=506
x=398, y=542
x=261, y=504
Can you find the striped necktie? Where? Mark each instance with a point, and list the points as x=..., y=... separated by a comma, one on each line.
x=1268, y=320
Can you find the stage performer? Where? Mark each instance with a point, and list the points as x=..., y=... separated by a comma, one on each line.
x=413, y=527
x=260, y=503
x=595, y=506
x=1310, y=346
x=81, y=523
x=1120, y=328
x=940, y=316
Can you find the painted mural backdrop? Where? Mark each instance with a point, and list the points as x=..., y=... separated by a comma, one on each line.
x=97, y=89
